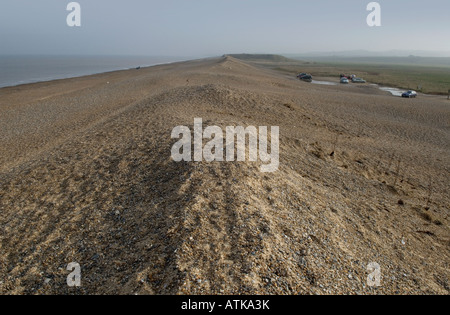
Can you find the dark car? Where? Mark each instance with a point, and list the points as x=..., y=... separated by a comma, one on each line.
x=306, y=78
x=410, y=94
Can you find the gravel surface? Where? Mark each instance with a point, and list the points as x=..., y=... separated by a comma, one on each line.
x=86, y=176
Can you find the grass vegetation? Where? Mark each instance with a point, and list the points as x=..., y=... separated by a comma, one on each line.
x=426, y=77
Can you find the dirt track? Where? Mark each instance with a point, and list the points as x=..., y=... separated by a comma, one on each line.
x=86, y=176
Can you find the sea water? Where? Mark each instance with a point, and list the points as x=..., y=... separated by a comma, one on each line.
x=16, y=70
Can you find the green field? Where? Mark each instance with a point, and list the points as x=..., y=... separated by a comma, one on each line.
x=391, y=72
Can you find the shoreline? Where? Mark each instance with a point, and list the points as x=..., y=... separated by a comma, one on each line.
x=44, y=81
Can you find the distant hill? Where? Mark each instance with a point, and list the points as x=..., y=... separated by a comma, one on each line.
x=260, y=57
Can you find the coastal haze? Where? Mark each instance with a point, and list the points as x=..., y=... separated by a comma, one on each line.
x=212, y=28
x=87, y=176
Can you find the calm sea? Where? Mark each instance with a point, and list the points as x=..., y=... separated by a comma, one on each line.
x=16, y=70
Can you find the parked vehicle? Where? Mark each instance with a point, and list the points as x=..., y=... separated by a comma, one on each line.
x=348, y=77
x=410, y=94
x=306, y=78
x=301, y=75
x=358, y=80
x=344, y=80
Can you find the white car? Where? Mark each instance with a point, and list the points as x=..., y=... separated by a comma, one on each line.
x=358, y=80
x=345, y=81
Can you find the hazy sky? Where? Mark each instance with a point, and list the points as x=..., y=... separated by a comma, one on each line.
x=212, y=27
